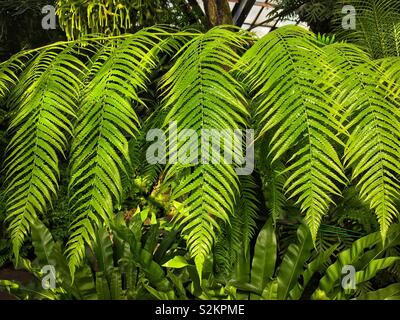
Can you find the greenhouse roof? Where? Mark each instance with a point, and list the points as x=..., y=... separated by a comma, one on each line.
x=252, y=15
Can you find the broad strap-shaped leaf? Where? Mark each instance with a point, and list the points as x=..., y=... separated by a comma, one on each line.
x=202, y=94
x=265, y=254
x=391, y=292
x=289, y=77
x=270, y=291
x=293, y=262
x=43, y=243
x=316, y=265
x=144, y=260
x=373, y=267
x=106, y=118
x=361, y=255
x=44, y=104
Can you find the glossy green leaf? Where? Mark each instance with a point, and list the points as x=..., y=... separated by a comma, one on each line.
x=265, y=254
x=176, y=262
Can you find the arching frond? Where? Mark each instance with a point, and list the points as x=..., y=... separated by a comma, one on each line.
x=273, y=179
x=236, y=236
x=7, y=78
x=45, y=103
x=9, y=71
x=201, y=94
x=369, y=98
x=106, y=117
x=289, y=77
x=146, y=173
x=377, y=26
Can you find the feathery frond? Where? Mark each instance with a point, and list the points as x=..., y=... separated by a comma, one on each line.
x=106, y=117
x=202, y=94
x=45, y=101
x=9, y=70
x=236, y=236
x=370, y=105
x=377, y=28
x=290, y=77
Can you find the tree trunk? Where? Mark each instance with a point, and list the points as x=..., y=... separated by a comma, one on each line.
x=218, y=12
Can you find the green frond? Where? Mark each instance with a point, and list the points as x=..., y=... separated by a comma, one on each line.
x=273, y=180
x=100, y=154
x=290, y=79
x=377, y=28
x=344, y=57
x=236, y=236
x=224, y=251
x=146, y=173
x=325, y=39
x=9, y=71
x=368, y=96
x=44, y=104
x=247, y=211
x=202, y=94
x=354, y=212
x=7, y=78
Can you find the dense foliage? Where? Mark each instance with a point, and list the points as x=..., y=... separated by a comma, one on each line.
x=79, y=193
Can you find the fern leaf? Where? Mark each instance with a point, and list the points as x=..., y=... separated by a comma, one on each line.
x=236, y=236
x=368, y=95
x=100, y=149
x=273, y=180
x=285, y=70
x=202, y=94
x=377, y=26
x=45, y=102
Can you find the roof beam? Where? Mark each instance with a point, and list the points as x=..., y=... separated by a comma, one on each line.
x=257, y=3
x=241, y=10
